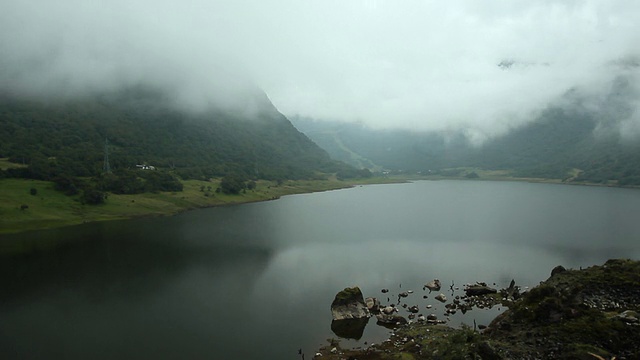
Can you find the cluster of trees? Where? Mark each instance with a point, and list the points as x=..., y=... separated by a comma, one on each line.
x=234, y=184
x=138, y=181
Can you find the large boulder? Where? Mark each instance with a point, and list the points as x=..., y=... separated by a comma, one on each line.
x=349, y=304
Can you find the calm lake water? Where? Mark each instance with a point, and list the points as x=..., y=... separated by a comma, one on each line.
x=256, y=281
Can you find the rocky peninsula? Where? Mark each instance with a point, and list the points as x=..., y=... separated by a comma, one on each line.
x=587, y=313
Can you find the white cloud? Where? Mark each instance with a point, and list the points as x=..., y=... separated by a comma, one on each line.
x=416, y=64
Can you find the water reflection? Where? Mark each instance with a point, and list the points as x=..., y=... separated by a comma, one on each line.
x=349, y=328
x=256, y=281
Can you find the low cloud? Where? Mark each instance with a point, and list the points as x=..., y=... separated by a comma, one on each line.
x=410, y=64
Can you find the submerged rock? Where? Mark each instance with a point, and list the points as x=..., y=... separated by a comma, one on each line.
x=349, y=304
x=479, y=289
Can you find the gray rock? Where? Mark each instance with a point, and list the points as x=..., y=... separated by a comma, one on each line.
x=441, y=297
x=557, y=270
x=628, y=316
x=391, y=321
x=433, y=285
x=479, y=289
x=349, y=304
x=388, y=310
x=373, y=304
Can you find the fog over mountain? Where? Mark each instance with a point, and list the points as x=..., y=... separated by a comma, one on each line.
x=486, y=66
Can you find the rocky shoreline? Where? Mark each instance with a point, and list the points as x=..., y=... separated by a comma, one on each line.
x=589, y=313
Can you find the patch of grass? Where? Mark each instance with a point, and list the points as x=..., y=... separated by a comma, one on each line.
x=5, y=164
x=50, y=208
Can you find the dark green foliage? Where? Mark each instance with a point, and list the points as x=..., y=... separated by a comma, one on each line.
x=92, y=196
x=67, y=184
x=33, y=191
x=232, y=184
x=472, y=175
x=155, y=181
x=122, y=182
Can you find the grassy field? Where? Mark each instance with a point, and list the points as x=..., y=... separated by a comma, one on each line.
x=21, y=211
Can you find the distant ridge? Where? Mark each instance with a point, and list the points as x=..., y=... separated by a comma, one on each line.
x=576, y=139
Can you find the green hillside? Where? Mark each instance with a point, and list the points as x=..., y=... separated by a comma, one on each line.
x=144, y=127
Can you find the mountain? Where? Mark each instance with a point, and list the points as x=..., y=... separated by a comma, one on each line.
x=580, y=137
x=66, y=136
x=392, y=149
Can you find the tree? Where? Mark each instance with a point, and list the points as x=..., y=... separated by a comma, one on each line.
x=232, y=184
x=91, y=196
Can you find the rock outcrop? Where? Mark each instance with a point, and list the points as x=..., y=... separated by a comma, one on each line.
x=591, y=313
x=349, y=304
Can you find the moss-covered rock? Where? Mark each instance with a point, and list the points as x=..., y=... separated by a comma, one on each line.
x=349, y=304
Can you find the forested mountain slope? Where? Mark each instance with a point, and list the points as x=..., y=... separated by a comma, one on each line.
x=144, y=126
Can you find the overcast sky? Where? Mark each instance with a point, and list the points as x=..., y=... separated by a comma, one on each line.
x=396, y=63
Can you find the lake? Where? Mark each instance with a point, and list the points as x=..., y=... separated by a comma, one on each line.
x=255, y=281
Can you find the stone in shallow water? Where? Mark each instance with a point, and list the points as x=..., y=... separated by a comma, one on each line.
x=373, y=305
x=433, y=285
x=349, y=304
x=391, y=321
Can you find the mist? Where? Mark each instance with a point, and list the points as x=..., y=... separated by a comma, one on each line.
x=483, y=66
